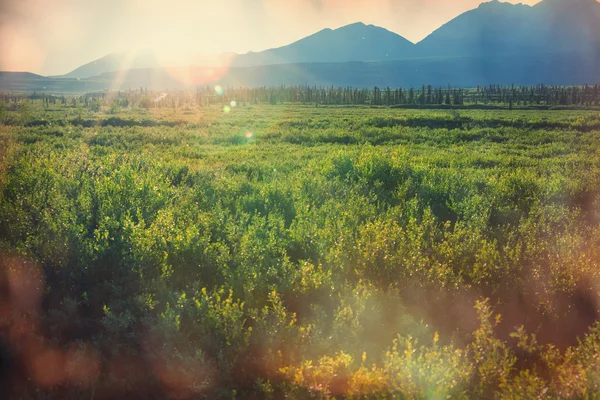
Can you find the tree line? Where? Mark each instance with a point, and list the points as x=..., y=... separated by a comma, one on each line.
x=425, y=96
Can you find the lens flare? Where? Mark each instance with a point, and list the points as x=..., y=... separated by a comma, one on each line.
x=219, y=90
x=233, y=103
x=249, y=135
x=226, y=109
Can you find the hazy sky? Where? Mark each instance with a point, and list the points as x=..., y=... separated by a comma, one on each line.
x=55, y=36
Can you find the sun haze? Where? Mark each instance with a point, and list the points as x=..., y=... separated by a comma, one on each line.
x=55, y=37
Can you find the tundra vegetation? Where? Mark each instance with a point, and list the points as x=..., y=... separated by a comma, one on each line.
x=171, y=246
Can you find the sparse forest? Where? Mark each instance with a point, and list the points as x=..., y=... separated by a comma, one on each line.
x=427, y=96
x=301, y=242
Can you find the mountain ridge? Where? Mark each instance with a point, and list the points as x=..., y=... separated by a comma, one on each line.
x=565, y=32
x=405, y=73
x=353, y=42
x=549, y=27
x=494, y=27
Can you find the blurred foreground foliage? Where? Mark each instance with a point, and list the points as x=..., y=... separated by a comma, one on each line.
x=309, y=253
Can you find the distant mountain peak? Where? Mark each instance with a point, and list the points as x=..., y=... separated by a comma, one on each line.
x=355, y=24
x=353, y=42
x=497, y=4
x=362, y=28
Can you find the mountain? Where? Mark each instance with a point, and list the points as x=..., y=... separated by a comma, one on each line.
x=572, y=26
x=355, y=42
x=115, y=62
x=555, y=42
x=496, y=28
x=492, y=28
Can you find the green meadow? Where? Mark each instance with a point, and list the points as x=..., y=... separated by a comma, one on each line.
x=293, y=251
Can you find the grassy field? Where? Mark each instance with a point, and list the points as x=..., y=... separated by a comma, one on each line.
x=307, y=252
